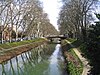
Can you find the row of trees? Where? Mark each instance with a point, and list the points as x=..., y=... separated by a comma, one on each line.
x=75, y=19
x=26, y=16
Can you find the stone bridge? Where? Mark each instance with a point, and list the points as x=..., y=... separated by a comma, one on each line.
x=51, y=37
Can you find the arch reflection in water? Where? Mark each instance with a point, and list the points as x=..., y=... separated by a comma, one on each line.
x=32, y=62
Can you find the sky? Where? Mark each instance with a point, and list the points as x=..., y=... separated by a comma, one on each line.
x=96, y=10
x=52, y=8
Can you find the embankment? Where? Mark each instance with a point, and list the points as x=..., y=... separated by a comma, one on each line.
x=10, y=50
x=74, y=64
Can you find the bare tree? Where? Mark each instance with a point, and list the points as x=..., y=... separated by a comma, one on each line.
x=73, y=17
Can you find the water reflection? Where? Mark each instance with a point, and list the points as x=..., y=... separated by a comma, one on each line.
x=56, y=62
x=38, y=61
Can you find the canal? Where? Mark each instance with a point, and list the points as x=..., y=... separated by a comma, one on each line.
x=46, y=59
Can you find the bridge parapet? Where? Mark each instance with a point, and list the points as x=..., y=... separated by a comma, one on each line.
x=56, y=36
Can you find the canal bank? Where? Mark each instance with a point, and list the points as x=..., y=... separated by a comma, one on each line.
x=73, y=63
x=10, y=50
x=45, y=59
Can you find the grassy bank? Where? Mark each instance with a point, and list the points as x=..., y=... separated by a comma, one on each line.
x=80, y=46
x=18, y=48
x=15, y=44
x=74, y=65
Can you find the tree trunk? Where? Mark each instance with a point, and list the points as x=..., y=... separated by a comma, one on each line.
x=16, y=35
x=10, y=37
x=2, y=37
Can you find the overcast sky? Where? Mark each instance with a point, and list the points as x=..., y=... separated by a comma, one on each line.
x=52, y=7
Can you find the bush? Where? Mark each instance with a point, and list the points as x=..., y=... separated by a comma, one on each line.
x=93, y=48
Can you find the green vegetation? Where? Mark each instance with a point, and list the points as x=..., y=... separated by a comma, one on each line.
x=75, y=67
x=14, y=44
x=75, y=42
x=91, y=48
x=71, y=40
x=75, y=23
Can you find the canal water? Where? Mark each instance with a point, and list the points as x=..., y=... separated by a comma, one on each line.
x=43, y=60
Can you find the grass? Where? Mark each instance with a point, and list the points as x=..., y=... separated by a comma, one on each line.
x=71, y=40
x=15, y=44
x=75, y=42
x=72, y=68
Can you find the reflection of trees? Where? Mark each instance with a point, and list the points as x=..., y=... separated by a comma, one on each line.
x=49, y=49
x=3, y=70
x=25, y=68
x=26, y=62
x=12, y=68
x=18, y=67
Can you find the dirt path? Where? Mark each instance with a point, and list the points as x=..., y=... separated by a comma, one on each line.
x=86, y=67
